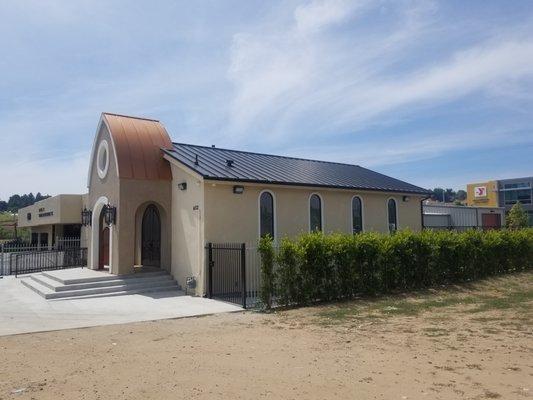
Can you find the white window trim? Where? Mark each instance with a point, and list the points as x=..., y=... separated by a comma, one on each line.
x=362, y=212
x=103, y=146
x=259, y=213
x=397, y=213
x=321, y=212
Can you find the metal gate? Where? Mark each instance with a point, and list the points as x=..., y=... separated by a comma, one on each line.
x=226, y=272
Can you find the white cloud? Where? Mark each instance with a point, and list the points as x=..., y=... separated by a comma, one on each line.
x=294, y=78
x=275, y=76
x=320, y=14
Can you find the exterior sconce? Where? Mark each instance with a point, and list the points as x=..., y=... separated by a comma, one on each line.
x=110, y=215
x=86, y=217
x=238, y=189
x=406, y=198
x=182, y=186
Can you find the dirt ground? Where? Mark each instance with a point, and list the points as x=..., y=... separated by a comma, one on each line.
x=461, y=343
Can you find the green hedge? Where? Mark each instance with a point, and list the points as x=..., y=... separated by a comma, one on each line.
x=316, y=267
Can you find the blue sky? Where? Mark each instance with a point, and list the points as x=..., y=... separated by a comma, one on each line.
x=435, y=93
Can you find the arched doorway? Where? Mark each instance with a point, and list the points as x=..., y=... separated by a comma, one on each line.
x=103, y=259
x=104, y=239
x=151, y=237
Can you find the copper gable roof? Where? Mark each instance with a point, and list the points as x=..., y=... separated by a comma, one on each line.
x=138, y=144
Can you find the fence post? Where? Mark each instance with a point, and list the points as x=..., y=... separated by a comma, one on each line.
x=210, y=270
x=243, y=274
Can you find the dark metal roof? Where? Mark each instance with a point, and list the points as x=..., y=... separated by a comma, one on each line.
x=265, y=168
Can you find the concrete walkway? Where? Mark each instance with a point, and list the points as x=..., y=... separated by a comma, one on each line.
x=24, y=311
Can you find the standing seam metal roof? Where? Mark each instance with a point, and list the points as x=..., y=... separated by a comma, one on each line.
x=266, y=168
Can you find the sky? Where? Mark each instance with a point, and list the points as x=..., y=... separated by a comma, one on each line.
x=437, y=93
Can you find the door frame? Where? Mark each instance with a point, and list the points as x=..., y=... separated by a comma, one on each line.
x=151, y=206
x=101, y=258
x=95, y=235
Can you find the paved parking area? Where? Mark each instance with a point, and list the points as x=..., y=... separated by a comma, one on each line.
x=24, y=311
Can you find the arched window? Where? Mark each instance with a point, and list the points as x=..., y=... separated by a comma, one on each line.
x=266, y=214
x=393, y=218
x=357, y=215
x=315, y=213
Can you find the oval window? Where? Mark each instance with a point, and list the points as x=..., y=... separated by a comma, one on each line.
x=102, y=159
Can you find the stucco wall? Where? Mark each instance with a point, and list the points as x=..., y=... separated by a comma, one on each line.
x=235, y=218
x=130, y=197
x=65, y=209
x=107, y=187
x=135, y=196
x=187, y=228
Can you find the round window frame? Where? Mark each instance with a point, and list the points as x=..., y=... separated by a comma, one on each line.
x=102, y=147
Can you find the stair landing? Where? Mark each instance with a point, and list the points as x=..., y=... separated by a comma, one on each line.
x=84, y=282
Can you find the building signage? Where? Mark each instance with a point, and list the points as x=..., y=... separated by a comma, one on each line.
x=480, y=191
x=43, y=213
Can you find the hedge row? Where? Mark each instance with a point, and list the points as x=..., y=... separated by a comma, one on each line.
x=316, y=267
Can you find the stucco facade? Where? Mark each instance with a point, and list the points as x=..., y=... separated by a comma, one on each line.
x=224, y=209
x=165, y=212
x=56, y=216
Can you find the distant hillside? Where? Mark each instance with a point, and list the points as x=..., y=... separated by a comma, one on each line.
x=7, y=227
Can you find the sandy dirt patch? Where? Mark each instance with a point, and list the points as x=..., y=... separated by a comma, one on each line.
x=467, y=343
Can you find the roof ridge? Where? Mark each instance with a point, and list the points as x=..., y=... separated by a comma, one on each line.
x=266, y=154
x=130, y=116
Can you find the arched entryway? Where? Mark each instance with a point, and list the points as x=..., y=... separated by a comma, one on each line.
x=151, y=237
x=103, y=259
x=104, y=240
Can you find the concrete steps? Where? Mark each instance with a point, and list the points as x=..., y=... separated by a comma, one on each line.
x=52, y=285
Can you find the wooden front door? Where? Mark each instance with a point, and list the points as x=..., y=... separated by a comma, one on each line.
x=103, y=259
x=151, y=238
x=491, y=221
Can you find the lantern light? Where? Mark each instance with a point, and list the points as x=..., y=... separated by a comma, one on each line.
x=86, y=217
x=110, y=214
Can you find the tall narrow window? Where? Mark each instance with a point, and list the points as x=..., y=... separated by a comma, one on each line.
x=357, y=215
x=266, y=214
x=393, y=218
x=315, y=213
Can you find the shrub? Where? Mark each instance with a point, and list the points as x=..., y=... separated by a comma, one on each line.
x=317, y=267
x=266, y=290
x=517, y=217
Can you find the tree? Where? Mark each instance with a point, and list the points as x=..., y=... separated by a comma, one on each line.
x=439, y=194
x=460, y=195
x=517, y=217
x=17, y=201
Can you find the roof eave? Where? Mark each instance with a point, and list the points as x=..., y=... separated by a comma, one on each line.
x=301, y=184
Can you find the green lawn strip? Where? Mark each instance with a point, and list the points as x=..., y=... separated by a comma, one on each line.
x=507, y=295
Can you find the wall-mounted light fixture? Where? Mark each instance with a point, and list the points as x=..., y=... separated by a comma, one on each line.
x=110, y=214
x=406, y=198
x=86, y=217
x=238, y=189
x=182, y=186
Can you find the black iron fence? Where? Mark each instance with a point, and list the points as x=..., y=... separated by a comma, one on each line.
x=47, y=260
x=9, y=250
x=226, y=272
